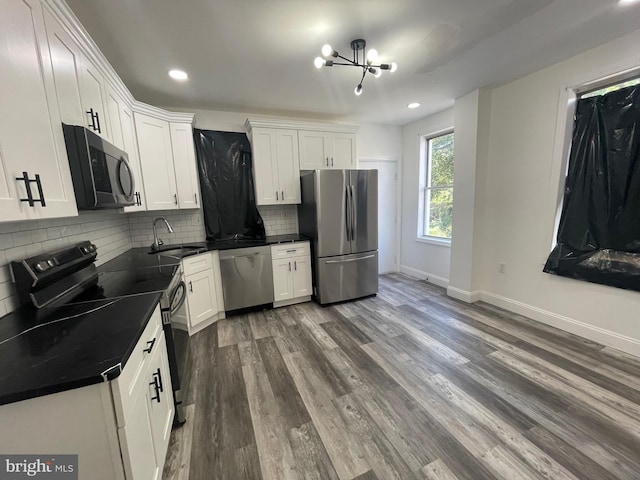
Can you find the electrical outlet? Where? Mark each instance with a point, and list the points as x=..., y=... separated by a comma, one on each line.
x=502, y=267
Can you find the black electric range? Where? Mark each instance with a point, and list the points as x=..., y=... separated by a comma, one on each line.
x=66, y=298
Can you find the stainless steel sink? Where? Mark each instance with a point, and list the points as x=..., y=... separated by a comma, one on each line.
x=179, y=251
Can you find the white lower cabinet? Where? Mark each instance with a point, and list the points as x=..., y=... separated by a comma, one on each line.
x=119, y=429
x=291, y=273
x=204, y=302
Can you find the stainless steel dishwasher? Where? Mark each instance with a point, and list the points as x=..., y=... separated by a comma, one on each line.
x=247, y=277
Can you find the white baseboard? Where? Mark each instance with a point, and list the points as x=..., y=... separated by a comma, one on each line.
x=571, y=325
x=469, y=297
x=427, y=277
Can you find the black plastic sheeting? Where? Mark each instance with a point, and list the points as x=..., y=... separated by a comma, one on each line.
x=226, y=185
x=599, y=233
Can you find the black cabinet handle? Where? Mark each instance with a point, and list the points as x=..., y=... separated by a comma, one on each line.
x=295, y=266
x=195, y=195
x=289, y=266
x=282, y=195
x=190, y=286
x=138, y=199
x=157, y=385
x=332, y=161
x=27, y=183
x=277, y=195
x=150, y=344
x=95, y=120
x=175, y=198
x=159, y=377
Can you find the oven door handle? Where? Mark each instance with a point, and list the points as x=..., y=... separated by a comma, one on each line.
x=177, y=297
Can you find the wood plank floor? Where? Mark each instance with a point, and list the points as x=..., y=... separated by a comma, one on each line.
x=410, y=384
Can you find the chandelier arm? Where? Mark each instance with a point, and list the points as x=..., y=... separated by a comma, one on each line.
x=346, y=59
x=347, y=64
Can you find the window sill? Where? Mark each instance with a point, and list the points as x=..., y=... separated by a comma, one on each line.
x=434, y=241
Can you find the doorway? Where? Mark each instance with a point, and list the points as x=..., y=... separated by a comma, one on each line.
x=388, y=230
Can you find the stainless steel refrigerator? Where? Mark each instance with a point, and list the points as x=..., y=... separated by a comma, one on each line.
x=339, y=212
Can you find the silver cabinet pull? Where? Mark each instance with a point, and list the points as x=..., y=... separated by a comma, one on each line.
x=195, y=196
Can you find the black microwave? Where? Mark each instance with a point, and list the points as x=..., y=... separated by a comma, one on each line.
x=102, y=177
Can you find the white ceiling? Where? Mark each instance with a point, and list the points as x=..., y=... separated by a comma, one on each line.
x=257, y=56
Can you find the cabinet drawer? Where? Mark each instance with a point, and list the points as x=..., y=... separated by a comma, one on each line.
x=133, y=378
x=287, y=250
x=197, y=263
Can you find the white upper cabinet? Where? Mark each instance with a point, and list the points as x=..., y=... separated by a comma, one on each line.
x=28, y=104
x=115, y=122
x=275, y=165
x=130, y=145
x=66, y=61
x=156, y=160
x=94, y=99
x=327, y=150
x=184, y=158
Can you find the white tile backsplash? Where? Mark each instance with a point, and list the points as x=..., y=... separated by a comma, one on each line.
x=109, y=230
x=279, y=219
x=113, y=233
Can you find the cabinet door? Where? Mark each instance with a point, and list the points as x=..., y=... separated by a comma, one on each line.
x=282, y=279
x=184, y=161
x=28, y=105
x=156, y=160
x=115, y=122
x=66, y=62
x=130, y=145
x=201, y=295
x=301, y=276
x=265, y=166
x=137, y=442
x=94, y=100
x=342, y=150
x=312, y=149
x=161, y=407
x=288, y=165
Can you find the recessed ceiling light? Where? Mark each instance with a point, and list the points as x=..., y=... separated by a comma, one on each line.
x=178, y=74
x=413, y=105
x=626, y=2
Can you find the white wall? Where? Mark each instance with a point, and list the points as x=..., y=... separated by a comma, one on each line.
x=521, y=193
x=418, y=258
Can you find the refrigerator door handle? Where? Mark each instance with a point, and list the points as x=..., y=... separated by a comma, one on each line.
x=353, y=214
x=351, y=259
x=347, y=210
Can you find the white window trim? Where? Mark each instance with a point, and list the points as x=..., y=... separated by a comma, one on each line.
x=422, y=188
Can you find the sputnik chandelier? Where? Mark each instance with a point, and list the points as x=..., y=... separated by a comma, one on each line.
x=366, y=63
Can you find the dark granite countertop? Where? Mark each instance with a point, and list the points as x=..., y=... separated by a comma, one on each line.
x=55, y=349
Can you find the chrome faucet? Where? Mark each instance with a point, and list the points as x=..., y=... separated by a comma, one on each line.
x=156, y=241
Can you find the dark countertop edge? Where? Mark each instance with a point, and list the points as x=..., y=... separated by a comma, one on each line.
x=13, y=397
x=211, y=246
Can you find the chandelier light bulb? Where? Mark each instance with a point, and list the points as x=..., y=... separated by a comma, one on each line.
x=394, y=67
x=372, y=56
x=319, y=62
x=358, y=90
x=327, y=50
x=377, y=73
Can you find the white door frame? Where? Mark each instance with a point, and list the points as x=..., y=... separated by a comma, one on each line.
x=362, y=160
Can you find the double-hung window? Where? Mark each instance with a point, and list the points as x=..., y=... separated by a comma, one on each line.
x=436, y=196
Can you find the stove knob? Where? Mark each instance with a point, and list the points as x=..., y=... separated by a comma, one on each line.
x=85, y=249
x=51, y=263
x=41, y=266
